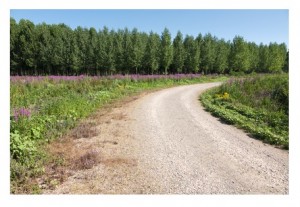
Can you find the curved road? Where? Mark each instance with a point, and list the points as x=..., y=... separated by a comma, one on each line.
x=175, y=146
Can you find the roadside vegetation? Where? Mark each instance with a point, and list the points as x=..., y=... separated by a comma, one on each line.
x=45, y=108
x=258, y=104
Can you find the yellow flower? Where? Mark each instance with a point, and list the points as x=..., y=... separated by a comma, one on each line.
x=226, y=96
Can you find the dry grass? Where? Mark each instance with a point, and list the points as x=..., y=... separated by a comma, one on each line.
x=119, y=116
x=119, y=161
x=85, y=130
x=69, y=157
x=110, y=142
x=87, y=160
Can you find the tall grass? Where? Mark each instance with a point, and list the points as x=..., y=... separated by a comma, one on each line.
x=258, y=104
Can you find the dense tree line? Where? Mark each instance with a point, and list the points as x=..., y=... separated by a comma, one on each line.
x=45, y=49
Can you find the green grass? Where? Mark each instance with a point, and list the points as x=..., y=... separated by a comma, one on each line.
x=258, y=104
x=57, y=106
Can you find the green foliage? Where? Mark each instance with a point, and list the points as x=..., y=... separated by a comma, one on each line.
x=57, y=49
x=166, y=50
x=240, y=58
x=277, y=56
x=208, y=53
x=286, y=63
x=221, y=64
x=179, y=52
x=22, y=147
x=135, y=51
x=258, y=104
x=151, y=58
x=253, y=56
x=263, y=58
x=192, y=50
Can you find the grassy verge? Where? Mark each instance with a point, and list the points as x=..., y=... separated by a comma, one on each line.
x=44, y=109
x=258, y=104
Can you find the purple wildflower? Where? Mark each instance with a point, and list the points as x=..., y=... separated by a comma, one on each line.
x=29, y=79
x=21, y=112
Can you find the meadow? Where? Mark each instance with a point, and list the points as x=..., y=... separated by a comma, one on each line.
x=258, y=104
x=44, y=108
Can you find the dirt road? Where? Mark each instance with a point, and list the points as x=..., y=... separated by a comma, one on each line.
x=166, y=143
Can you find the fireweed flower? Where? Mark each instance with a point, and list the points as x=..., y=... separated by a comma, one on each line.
x=21, y=112
x=30, y=79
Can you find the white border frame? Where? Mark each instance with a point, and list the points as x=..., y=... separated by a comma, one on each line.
x=146, y=200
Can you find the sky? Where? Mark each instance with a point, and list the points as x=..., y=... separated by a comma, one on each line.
x=259, y=26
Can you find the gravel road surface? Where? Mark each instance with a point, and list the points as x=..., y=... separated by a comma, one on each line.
x=166, y=143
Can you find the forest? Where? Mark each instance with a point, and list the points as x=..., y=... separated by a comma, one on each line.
x=57, y=49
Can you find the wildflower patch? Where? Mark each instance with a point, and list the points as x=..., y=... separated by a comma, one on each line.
x=241, y=103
